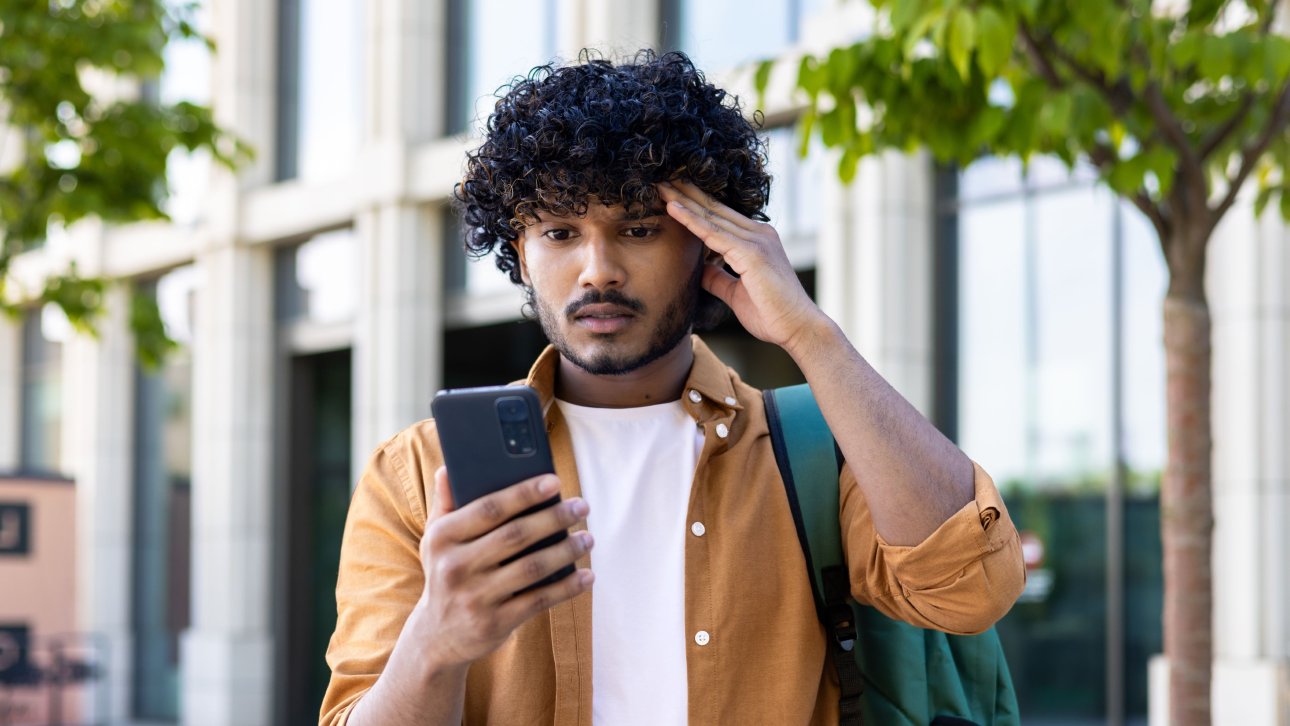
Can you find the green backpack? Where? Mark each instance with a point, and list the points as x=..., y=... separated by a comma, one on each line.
x=891, y=673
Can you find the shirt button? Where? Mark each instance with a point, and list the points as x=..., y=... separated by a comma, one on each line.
x=696, y=396
x=731, y=400
x=698, y=529
x=702, y=637
x=723, y=430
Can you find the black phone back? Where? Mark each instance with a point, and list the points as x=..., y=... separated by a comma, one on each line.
x=491, y=438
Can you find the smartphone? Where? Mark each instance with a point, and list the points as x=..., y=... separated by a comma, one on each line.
x=491, y=438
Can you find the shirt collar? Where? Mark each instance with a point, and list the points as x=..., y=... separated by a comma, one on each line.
x=709, y=377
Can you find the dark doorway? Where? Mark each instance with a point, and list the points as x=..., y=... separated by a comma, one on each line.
x=317, y=497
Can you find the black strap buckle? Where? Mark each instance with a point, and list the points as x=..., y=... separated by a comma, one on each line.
x=842, y=626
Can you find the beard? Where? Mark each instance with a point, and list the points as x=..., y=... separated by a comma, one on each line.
x=677, y=321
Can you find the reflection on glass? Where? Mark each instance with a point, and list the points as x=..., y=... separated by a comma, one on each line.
x=321, y=99
x=43, y=333
x=1036, y=409
x=161, y=547
x=721, y=34
x=317, y=281
x=796, y=192
x=502, y=39
x=187, y=78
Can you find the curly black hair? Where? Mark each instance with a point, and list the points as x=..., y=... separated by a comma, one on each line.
x=563, y=134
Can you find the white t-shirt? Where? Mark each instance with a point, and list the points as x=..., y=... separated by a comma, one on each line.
x=636, y=466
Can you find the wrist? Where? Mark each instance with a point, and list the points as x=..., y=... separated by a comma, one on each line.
x=804, y=345
x=435, y=662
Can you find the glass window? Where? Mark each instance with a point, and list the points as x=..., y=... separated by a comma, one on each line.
x=43, y=333
x=489, y=43
x=187, y=77
x=721, y=34
x=317, y=280
x=321, y=94
x=1038, y=315
x=796, y=192
x=160, y=609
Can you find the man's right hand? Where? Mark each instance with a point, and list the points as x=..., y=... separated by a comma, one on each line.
x=468, y=605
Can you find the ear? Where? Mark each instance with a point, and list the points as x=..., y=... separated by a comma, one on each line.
x=518, y=246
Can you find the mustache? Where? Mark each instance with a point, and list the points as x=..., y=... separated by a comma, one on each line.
x=611, y=297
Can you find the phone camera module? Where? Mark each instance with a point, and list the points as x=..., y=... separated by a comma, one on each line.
x=513, y=414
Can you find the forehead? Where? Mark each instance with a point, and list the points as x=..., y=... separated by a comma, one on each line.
x=597, y=212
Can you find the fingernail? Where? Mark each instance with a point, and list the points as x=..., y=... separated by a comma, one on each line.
x=586, y=577
x=587, y=540
x=549, y=485
x=579, y=507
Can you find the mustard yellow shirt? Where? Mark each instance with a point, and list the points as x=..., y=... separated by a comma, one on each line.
x=745, y=579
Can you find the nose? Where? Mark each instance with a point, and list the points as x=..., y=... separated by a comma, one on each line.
x=602, y=266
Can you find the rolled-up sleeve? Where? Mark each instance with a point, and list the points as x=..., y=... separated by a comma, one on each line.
x=961, y=579
x=380, y=576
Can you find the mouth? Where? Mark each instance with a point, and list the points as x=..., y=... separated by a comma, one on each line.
x=603, y=318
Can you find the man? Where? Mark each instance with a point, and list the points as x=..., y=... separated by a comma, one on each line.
x=617, y=195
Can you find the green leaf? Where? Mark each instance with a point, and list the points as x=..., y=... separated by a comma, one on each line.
x=761, y=79
x=997, y=36
x=1262, y=198
x=1216, y=59
x=848, y=165
x=962, y=40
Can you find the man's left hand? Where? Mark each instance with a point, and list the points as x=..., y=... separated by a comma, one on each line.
x=766, y=297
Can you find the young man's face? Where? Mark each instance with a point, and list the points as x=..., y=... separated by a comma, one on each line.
x=613, y=291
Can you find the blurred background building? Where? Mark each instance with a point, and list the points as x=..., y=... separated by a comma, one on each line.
x=322, y=297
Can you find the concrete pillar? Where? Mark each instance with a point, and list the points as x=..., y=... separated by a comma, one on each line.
x=227, y=654
x=398, y=333
x=398, y=336
x=618, y=28
x=10, y=392
x=1249, y=287
x=98, y=426
x=876, y=271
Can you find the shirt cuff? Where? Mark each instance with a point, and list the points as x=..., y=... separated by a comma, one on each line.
x=981, y=527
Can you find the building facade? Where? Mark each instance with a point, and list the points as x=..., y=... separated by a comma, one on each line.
x=322, y=296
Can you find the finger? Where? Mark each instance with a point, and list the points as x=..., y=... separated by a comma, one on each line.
x=487, y=513
x=522, y=607
x=515, y=535
x=442, y=503
x=720, y=283
x=531, y=568
x=690, y=190
x=719, y=235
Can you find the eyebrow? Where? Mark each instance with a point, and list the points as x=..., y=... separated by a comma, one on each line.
x=624, y=217
x=643, y=214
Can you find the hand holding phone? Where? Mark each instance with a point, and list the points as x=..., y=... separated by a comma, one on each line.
x=496, y=550
x=492, y=438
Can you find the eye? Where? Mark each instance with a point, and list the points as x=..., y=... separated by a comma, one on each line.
x=640, y=232
x=559, y=234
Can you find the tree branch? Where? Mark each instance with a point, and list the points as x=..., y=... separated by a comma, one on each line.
x=1222, y=133
x=1104, y=157
x=1171, y=128
x=1251, y=154
x=1043, y=66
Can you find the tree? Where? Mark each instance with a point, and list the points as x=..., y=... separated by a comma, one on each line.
x=81, y=154
x=1177, y=105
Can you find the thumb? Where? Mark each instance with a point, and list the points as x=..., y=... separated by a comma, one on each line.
x=720, y=283
x=442, y=503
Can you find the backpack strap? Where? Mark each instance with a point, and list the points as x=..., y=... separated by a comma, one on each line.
x=809, y=463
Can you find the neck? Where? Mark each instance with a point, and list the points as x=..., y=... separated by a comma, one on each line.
x=658, y=382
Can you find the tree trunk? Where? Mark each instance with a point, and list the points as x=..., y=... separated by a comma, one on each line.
x=1187, y=500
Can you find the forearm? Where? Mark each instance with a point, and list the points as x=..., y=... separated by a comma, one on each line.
x=414, y=688
x=913, y=478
